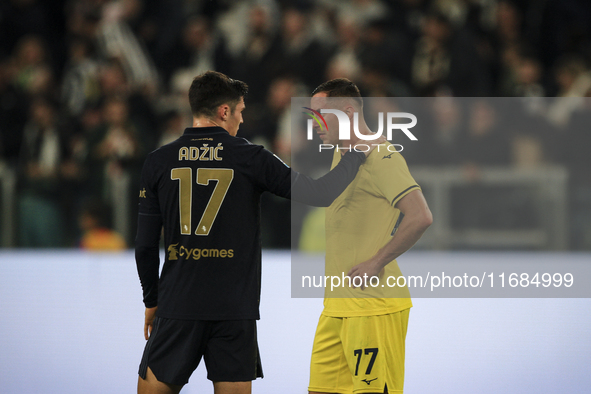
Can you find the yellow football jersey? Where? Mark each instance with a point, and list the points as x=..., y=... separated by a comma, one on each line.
x=360, y=222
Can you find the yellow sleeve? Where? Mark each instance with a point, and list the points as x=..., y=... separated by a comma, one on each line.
x=392, y=177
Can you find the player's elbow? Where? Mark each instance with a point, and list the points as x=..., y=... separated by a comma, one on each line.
x=425, y=219
x=143, y=251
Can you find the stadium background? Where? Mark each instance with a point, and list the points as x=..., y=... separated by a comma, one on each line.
x=88, y=88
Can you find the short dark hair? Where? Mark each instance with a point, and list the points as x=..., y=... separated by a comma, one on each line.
x=212, y=89
x=340, y=87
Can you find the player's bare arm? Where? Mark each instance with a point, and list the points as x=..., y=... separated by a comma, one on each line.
x=417, y=218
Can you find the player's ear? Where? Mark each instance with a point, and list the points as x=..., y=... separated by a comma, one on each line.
x=224, y=111
x=349, y=110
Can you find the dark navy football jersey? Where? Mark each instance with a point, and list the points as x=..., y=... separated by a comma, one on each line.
x=204, y=189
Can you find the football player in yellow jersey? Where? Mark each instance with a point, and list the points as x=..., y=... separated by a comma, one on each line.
x=360, y=340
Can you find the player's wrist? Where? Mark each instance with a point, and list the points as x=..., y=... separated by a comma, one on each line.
x=380, y=263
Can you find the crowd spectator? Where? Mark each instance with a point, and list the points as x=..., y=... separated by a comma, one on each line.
x=200, y=49
x=254, y=62
x=96, y=232
x=114, y=146
x=578, y=162
x=39, y=170
x=172, y=127
x=13, y=114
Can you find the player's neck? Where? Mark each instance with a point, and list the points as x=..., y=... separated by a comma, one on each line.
x=205, y=122
x=354, y=140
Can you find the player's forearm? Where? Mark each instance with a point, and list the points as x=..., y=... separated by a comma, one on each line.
x=147, y=256
x=148, y=263
x=410, y=231
x=323, y=191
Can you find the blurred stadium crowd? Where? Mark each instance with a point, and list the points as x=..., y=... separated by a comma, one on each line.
x=89, y=87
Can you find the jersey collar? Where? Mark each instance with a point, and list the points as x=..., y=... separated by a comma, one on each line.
x=204, y=130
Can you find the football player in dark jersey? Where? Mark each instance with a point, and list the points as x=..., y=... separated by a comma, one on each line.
x=204, y=189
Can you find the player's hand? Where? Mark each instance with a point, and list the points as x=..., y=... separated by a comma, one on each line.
x=149, y=323
x=365, y=271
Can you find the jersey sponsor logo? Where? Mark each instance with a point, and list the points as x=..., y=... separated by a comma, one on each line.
x=369, y=381
x=173, y=251
x=201, y=153
x=196, y=253
x=388, y=156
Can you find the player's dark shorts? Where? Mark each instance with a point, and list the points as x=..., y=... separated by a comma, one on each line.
x=229, y=348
